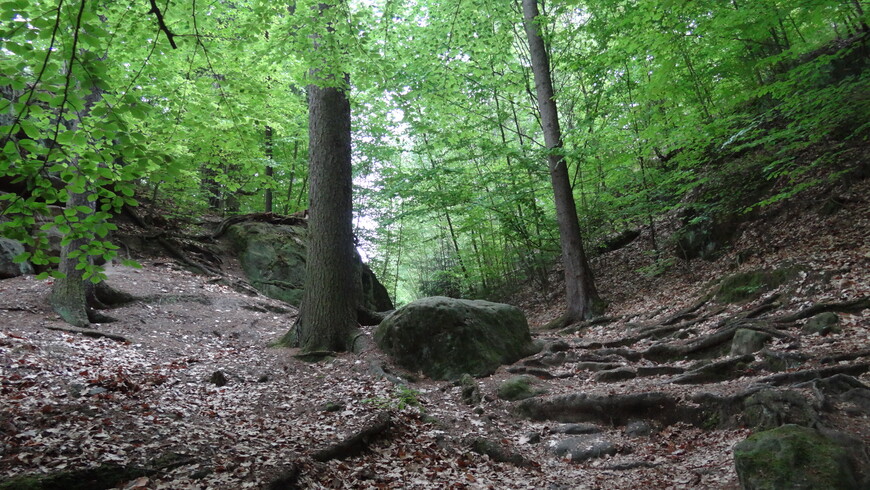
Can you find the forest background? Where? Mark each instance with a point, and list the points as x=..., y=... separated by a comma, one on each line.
x=199, y=107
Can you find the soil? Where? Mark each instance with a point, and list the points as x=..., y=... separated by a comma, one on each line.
x=70, y=401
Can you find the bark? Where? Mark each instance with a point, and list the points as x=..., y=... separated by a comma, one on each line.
x=581, y=295
x=69, y=293
x=357, y=442
x=267, y=205
x=328, y=310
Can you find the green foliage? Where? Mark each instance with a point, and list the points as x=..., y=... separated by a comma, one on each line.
x=720, y=101
x=403, y=397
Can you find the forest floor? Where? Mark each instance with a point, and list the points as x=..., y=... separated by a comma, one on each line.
x=152, y=402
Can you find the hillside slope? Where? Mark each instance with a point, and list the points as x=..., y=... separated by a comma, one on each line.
x=149, y=409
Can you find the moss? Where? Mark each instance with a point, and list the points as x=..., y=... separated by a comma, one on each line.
x=104, y=476
x=517, y=388
x=711, y=421
x=794, y=457
x=746, y=286
x=26, y=482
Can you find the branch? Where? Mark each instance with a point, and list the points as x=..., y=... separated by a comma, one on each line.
x=162, y=24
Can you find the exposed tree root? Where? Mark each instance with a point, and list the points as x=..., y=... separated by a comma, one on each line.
x=610, y=409
x=88, y=332
x=357, y=442
x=853, y=306
x=845, y=357
x=694, y=349
x=811, y=374
x=717, y=371
x=499, y=453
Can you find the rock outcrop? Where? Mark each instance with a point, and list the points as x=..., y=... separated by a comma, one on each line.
x=273, y=257
x=446, y=337
x=793, y=456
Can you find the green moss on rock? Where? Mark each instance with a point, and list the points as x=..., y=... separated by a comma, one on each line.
x=823, y=324
x=517, y=388
x=446, y=337
x=793, y=457
x=746, y=286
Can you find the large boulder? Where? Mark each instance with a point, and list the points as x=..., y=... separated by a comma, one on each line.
x=9, y=249
x=446, y=337
x=273, y=257
x=797, y=457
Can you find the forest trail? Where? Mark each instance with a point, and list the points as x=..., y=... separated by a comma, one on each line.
x=655, y=385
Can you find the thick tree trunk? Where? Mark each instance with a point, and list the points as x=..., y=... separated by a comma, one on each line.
x=328, y=310
x=581, y=296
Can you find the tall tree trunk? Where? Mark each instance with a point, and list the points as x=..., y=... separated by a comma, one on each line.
x=328, y=310
x=71, y=292
x=580, y=293
x=270, y=170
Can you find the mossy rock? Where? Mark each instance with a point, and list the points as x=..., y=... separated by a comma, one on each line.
x=518, y=388
x=794, y=457
x=823, y=324
x=748, y=341
x=445, y=338
x=470, y=390
x=746, y=286
x=771, y=408
x=274, y=257
x=102, y=477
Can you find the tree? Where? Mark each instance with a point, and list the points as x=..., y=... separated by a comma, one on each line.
x=328, y=310
x=580, y=293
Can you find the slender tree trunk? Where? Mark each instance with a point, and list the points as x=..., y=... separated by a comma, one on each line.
x=270, y=170
x=581, y=295
x=328, y=310
x=69, y=294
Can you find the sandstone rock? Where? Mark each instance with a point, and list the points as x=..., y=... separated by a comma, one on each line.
x=823, y=324
x=748, y=341
x=9, y=249
x=797, y=457
x=446, y=337
x=273, y=257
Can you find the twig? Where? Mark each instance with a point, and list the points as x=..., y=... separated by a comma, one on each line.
x=162, y=24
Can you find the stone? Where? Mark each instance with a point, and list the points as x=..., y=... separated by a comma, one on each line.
x=823, y=324
x=445, y=338
x=746, y=286
x=218, y=378
x=771, y=408
x=638, y=428
x=9, y=249
x=273, y=257
x=780, y=361
x=705, y=237
x=748, y=341
x=582, y=448
x=516, y=388
x=796, y=457
x=530, y=438
x=470, y=391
